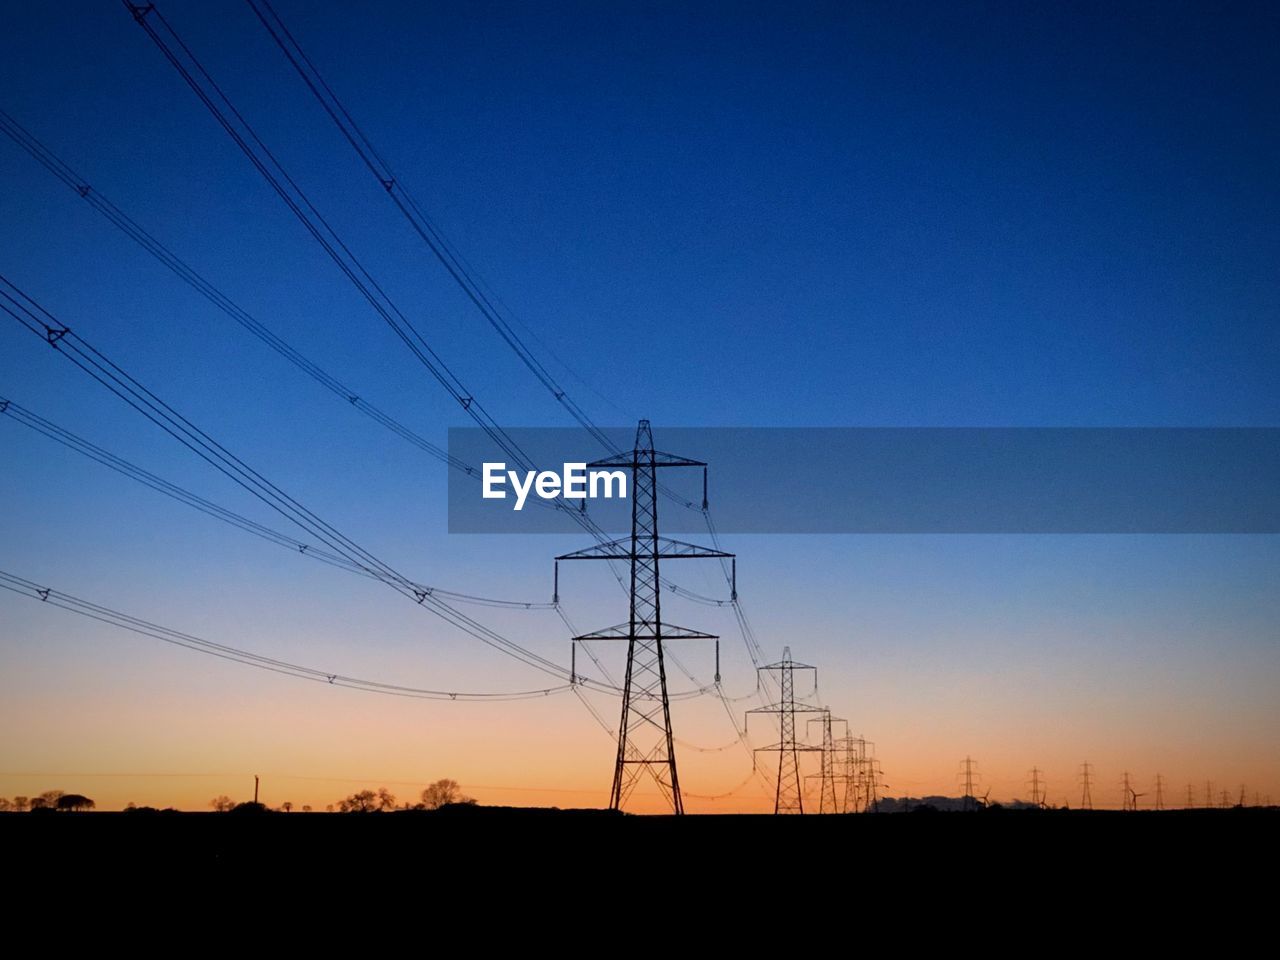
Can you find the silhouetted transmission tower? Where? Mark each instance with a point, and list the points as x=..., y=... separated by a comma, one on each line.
x=644, y=732
x=827, y=788
x=789, y=796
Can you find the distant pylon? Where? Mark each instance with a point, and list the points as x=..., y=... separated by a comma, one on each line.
x=645, y=742
x=871, y=784
x=827, y=788
x=1086, y=779
x=1159, y=792
x=1208, y=793
x=1191, y=797
x=970, y=800
x=1241, y=803
x=1037, y=786
x=851, y=758
x=789, y=795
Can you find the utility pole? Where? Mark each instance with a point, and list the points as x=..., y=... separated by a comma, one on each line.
x=645, y=742
x=1159, y=792
x=827, y=788
x=255, y=788
x=788, y=797
x=1037, y=797
x=1086, y=777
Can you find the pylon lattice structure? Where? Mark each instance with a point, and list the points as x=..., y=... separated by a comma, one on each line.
x=1086, y=781
x=1038, y=793
x=789, y=792
x=871, y=775
x=851, y=757
x=827, y=787
x=970, y=774
x=645, y=742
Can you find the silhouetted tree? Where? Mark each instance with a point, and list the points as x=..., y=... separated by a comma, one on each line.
x=20, y=804
x=287, y=807
x=6, y=805
x=442, y=793
x=366, y=801
x=74, y=801
x=306, y=808
x=222, y=803
x=47, y=800
x=249, y=806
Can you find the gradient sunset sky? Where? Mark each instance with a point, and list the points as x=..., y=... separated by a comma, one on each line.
x=737, y=215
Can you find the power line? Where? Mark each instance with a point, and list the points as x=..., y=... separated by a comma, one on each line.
x=237, y=127
x=416, y=217
x=27, y=418
x=94, y=611
x=246, y=138
x=32, y=316
x=187, y=273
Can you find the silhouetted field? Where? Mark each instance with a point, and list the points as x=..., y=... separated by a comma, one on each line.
x=474, y=840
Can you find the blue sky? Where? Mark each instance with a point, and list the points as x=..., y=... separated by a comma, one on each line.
x=864, y=214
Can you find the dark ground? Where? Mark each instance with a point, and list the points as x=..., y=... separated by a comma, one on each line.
x=479, y=838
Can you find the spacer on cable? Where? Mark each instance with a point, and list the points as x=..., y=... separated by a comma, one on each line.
x=466, y=402
x=421, y=595
x=53, y=336
x=4, y=406
x=44, y=594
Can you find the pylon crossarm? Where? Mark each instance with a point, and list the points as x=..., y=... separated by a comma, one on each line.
x=670, y=631
x=665, y=549
x=650, y=458
x=797, y=708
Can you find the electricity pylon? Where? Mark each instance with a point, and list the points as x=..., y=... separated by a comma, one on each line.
x=851, y=753
x=645, y=742
x=788, y=796
x=827, y=788
x=1159, y=792
x=871, y=783
x=970, y=801
x=1037, y=788
x=1086, y=778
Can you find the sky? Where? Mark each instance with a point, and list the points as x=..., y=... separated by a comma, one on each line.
x=706, y=215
